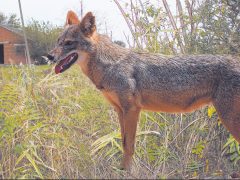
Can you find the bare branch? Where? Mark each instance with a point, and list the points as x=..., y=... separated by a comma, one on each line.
x=128, y=23
x=183, y=26
x=173, y=25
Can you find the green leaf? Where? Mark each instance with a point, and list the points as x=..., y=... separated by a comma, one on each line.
x=229, y=141
x=31, y=160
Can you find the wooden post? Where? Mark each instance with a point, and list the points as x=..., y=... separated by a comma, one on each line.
x=24, y=33
x=81, y=5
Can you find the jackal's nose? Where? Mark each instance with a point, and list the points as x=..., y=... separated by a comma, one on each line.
x=50, y=57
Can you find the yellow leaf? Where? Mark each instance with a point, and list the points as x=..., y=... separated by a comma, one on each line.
x=211, y=111
x=195, y=174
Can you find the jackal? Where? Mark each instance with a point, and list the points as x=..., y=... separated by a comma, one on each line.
x=133, y=81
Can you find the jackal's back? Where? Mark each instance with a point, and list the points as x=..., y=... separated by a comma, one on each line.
x=178, y=73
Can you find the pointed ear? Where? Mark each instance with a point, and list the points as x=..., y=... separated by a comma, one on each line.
x=72, y=18
x=87, y=25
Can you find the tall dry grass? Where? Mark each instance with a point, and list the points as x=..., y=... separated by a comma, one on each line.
x=59, y=126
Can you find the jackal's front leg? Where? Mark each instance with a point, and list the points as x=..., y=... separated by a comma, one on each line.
x=130, y=119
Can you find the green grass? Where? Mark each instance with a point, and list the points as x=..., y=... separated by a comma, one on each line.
x=60, y=126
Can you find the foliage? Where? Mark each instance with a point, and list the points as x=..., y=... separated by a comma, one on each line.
x=146, y=23
x=43, y=37
x=59, y=126
x=219, y=31
x=11, y=20
x=201, y=27
x=233, y=149
x=198, y=149
x=39, y=125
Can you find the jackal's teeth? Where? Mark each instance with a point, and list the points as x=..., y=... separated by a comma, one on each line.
x=47, y=60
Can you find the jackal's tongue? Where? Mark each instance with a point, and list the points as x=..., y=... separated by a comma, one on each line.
x=66, y=63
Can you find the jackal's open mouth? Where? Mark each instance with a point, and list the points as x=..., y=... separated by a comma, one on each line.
x=66, y=63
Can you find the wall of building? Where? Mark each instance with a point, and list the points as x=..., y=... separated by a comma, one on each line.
x=11, y=56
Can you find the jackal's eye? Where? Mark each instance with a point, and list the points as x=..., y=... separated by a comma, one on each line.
x=68, y=43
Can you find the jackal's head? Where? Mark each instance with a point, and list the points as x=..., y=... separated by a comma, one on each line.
x=75, y=43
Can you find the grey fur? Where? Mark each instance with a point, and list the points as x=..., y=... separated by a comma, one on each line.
x=127, y=71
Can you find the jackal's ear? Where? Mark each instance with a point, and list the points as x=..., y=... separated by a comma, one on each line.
x=87, y=25
x=72, y=18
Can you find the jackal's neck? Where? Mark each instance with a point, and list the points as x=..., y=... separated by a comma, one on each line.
x=109, y=52
x=106, y=53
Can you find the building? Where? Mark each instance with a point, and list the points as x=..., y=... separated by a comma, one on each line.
x=12, y=47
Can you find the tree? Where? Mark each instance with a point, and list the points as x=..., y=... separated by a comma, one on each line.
x=12, y=20
x=199, y=26
x=43, y=36
x=220, y=27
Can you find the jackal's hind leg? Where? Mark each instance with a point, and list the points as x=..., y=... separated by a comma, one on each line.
x=228, y=110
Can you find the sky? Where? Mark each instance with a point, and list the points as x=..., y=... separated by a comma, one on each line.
x=55, y=11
